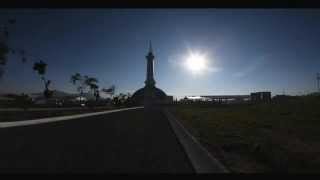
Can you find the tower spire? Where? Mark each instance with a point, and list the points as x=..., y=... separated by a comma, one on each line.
x=150, y=82
x=150, y=47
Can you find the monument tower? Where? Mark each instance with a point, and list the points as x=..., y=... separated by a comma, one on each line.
x=149, y=94
x=150, y=68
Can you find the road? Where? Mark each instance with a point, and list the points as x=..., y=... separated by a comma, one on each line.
x=133, y=141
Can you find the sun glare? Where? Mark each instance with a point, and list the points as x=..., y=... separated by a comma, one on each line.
x=196, y=63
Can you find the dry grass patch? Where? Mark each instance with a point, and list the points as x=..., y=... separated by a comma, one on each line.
x=282, y=137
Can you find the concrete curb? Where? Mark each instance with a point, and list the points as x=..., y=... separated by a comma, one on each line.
x=200, y=158
x=59, y=118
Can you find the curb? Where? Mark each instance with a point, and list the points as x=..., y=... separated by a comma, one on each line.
x=200, y=158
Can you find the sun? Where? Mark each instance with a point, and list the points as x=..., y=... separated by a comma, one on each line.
x=196, y=63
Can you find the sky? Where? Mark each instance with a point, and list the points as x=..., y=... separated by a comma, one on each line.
x=246, y=50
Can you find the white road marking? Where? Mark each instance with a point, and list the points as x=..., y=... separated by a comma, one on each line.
x=59, y=118
x=44, y=109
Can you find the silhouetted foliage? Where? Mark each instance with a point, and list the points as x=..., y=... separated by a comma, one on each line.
x=4, y=48
x=23, y=101
x=3, y=56
x=91, y=82
x=41, y=67
x=122, y=99
x=82, y=82
x=97, y=94
x=77, y=80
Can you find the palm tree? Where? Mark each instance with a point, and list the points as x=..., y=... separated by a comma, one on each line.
x=77, y=80
x=83, y=82
x=41, y=68
x=76, y=77
x=91, y=82
x=4, y=50
x=96, y=91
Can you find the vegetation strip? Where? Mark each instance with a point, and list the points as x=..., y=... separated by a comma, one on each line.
x=60, y=118
x=201, y=159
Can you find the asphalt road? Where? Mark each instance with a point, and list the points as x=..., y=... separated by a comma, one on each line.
x=133, y=141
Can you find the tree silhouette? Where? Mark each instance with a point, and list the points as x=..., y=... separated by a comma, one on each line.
x=41, y=68
x=97, y=93
x=121, y=99
x=82, y=82
x=3, y=52
x=77, y=80
x=4, y=48
x=3, y=59
x=91, y=82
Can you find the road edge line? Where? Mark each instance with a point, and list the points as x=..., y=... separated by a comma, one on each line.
x=60, y=118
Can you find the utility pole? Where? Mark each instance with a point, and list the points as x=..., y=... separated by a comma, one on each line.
x=318, y=79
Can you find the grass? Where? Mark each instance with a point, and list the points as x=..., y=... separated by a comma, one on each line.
x=277, y=137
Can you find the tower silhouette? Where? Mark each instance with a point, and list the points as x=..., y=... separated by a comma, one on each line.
x=149, y=94
x=150, y=82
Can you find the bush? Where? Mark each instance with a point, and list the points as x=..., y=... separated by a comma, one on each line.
x=23, y=101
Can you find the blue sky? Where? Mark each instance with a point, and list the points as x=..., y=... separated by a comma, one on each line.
x=249, y=49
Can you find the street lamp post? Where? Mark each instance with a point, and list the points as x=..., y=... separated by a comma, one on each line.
x=318, y=79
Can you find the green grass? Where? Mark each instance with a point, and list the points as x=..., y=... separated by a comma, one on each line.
x=282, y=137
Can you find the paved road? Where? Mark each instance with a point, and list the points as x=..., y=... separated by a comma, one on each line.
x=124, y=142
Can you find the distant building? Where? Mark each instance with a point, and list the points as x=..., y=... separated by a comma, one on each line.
x=226, y=98
x=260, y=97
